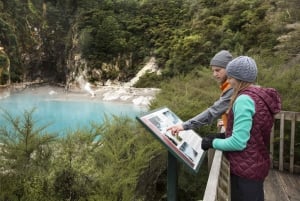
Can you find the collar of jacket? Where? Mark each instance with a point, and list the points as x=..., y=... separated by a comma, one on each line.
x=225, y=86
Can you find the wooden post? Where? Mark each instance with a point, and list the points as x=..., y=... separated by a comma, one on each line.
x=172, y=178
x=292, y=145
x=281, y=143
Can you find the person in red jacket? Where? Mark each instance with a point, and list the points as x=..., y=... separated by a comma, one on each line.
x=250, y=120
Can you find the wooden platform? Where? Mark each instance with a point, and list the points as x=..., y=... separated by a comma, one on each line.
x=282, y=186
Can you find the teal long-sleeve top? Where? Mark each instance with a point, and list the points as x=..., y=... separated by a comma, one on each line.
x=243, y=109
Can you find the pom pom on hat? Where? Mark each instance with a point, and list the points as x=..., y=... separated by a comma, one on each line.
x=242, y=68
x=221, y=59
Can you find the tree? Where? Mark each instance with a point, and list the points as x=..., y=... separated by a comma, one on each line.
x=74, y=167
x=25, y=155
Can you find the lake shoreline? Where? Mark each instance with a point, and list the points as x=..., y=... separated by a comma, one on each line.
x=81, y=89
x=121, y=94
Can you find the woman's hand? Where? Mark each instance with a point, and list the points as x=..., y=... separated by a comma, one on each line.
x=220, y=123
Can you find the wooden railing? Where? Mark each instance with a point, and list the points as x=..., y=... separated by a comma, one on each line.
x=283, y=133
x=218, y=184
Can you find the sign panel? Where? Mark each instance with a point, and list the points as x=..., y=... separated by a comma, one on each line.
x=186, y=146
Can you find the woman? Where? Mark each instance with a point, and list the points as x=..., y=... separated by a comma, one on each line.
x=250, y=120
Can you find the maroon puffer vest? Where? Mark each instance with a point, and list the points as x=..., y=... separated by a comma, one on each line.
x=254, y=161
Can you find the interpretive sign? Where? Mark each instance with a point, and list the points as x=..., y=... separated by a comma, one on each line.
x=186, y=146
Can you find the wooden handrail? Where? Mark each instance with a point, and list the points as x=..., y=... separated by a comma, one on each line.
x=218, y=184
x=285, y=133
x=217, y=187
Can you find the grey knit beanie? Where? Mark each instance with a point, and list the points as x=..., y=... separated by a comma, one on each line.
x=242, y=68
x=221, y=59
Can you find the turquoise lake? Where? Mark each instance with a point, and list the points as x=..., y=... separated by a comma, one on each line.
x=64, y=113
